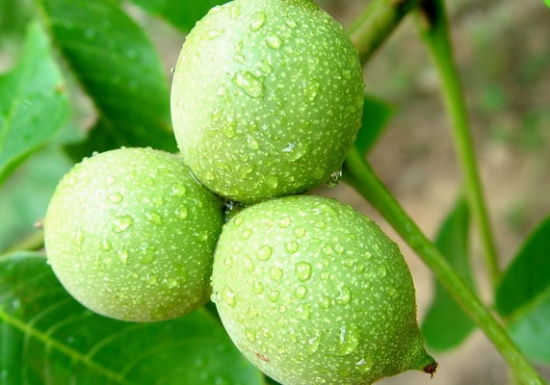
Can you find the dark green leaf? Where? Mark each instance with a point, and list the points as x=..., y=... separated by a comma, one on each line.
x=528, y=276
x=182, y=14
x=33, y=103
x=119, y=69
x=446, y=325
x=376, y=114
x=523, y=296
x=48, y=338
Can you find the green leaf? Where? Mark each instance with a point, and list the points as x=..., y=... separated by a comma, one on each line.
x=446, y=325
x=33, y=103
x=523, y=296
x=376, y=115
x=119, y=69
x=547, y=2
x=182, y=14
x=46, y=337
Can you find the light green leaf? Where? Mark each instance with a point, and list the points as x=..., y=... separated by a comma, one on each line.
x=47, y=338
x=523, y=296
x=119, y=69
x=446, y=325
x=376, y=115
x=33, y=103
x=182, y=14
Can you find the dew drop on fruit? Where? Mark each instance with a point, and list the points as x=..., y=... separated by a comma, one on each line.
x=172, y=283
x=334, y=178
x=300, y=292
x=122, y=223
x=314, y=343
x=214, y=33
x=252, y=85
x=258, y=20
x=228, y=296
x=106, y=244
x=264, y=252
x=178, y=190
x=248, y=264
x=272, y=181
x=291, y=247
x=273, y=296
x=247, y=233
x=250, y=335
x=274, y=41
x=284, y=222
x=364, y=365
x=182, y=212
x=348, y=340
x=304, y=311
x=300, y=232
x=153, y=217
x=258, y=287
x=338, y=248
x=381, y=271
x=152, y=279
x=158, y=200
x=252, y=143
x=324, y=302
x=327, y=250
x=303, y=270
x=276, y=273
x=123, y=255
x=265, y=66
x=344, y=295
x=291, y=23
x=235, y=11
x=110, y=179
x=229, y=129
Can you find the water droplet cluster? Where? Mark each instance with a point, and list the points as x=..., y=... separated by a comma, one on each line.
x=311, y=291
x=266, y=101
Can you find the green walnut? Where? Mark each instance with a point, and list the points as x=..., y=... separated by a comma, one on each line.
x=312, y=292
x=266, y=99
x=131, y=235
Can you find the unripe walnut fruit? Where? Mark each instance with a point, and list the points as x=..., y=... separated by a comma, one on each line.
x=131, y=234
x=266, y=98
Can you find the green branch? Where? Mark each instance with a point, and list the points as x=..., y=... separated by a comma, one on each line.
x=434, y=28
x=360, y=175
x=376, y=23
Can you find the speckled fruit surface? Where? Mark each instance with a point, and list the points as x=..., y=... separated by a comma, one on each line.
x=266, y=98
x=312, y=292
x=131, y=235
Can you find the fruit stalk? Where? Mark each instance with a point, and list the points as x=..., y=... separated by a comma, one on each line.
x=433, y=26
x=376, y=23
x=360, y=175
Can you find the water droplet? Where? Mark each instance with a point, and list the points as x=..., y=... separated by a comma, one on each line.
x=247, y=233
x=299, y=232
x=334, y=178
x=348, y=262
x=123, y=255
x=367, y=255
x=339, y=248
x=348, y=340
x=264, y=253
x=122, y=223
x=235, y=11
x=276, y=273
x=265, y=66
x=106, y=244
x=324, y=302
x=258, y=20
x=202, y=236
x=158, y=200
x=304, y=311
x=239, y=58
x=110, y=179
x=300, y=292
x=229, y=296
x=274, y=41
x=248, y=264
x=321, y=225
x=148, y=255
x=151, y=279
x=382, y=271
x=214, y=33
x=314, y=343
x=303, y=271
x=252, y=143
x=252, y=312
x=252, y=85
x=291, y=247
x=178, y=190
x=327, y=250
x=272, y=181
x=250, y=335
x=284, y=221
x=344, y=295
x=364, y=365
x=229, y=129
x=182, y=212
x=153, y=217
x=258, y=287
x=172, y=283
x=221, y=91
x=273, y=296
x=312, y=90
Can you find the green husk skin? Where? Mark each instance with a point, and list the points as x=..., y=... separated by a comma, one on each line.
x=312, y=292
x=266, y=98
